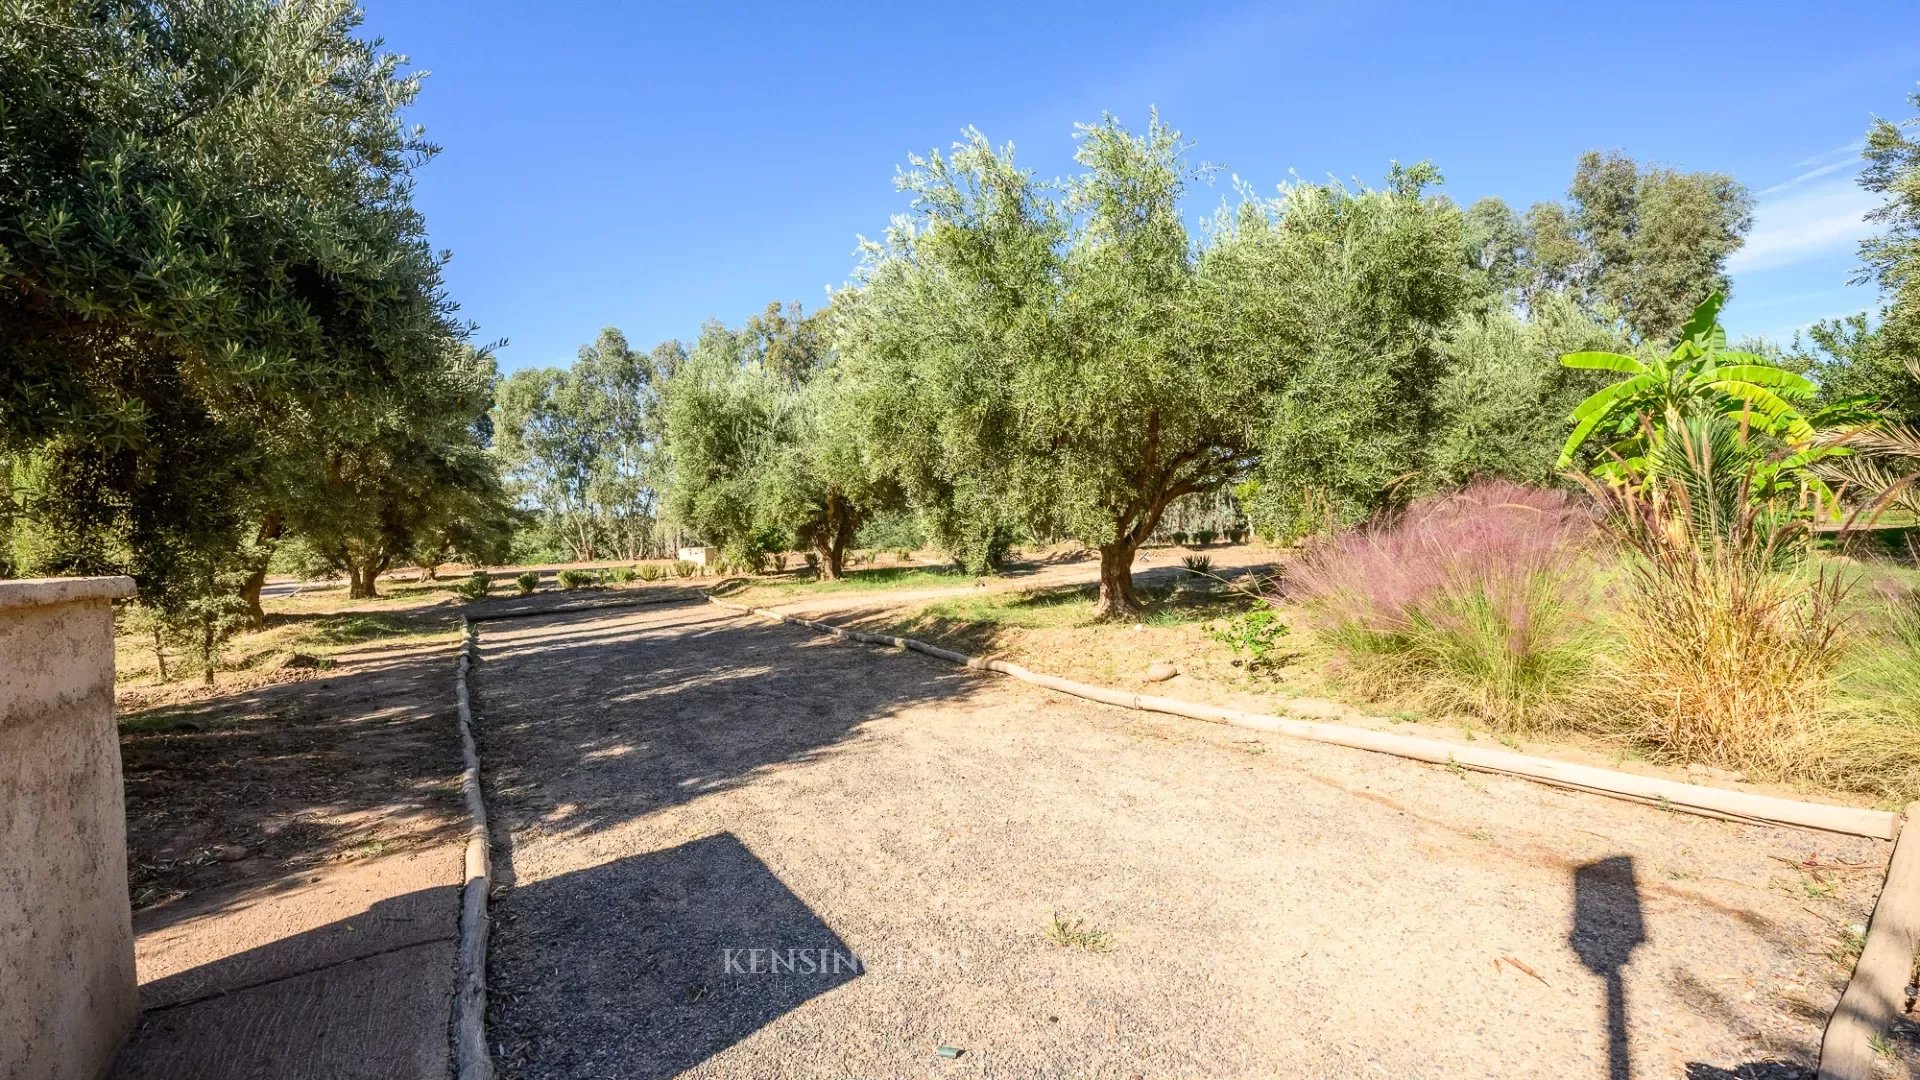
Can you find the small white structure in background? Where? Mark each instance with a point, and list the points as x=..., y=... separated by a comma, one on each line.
x=700, y=556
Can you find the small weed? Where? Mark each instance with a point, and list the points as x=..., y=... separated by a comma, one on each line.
x=1467, y=733
x=1456, y=768
x=1508, y=741
x=1076, y=934
x=1481, y=835
x=1817, y=888
x=1679, y=875
x=1881, y=1045
x=1254, y=636
x=1252, y=746
x=1846, y=951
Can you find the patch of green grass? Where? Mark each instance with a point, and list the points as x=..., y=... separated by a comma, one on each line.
x=866, y=578
x=353, y=629
x=1074, y=933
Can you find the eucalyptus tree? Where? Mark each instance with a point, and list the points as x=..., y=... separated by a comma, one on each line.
x=1657, y=239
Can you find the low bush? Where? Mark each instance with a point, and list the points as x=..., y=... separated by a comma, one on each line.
x=685, y=568
x=577, y=579
x=1204, y=537
x=477, y=585
x=1254, y=636
x=651, y=572
x=1472, y=601
x=527, y=582
x=621, y=575
x=1179, y=539
x=904, y=555
x=1198, y=565
x=1235, y=536
x=779, y=562
x=813, y=561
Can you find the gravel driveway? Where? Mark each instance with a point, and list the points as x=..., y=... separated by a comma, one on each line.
x=739, y=850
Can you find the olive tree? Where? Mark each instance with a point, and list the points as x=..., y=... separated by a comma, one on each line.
x=762, y=448
x=209, y=263
x=1057, y=353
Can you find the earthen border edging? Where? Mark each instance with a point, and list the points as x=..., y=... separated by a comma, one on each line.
x=469, y=1018
x=1875, y=994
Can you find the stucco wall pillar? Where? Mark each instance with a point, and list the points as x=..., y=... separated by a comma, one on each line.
x=68, y=994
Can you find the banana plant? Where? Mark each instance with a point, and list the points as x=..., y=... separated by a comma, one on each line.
x=1699, y=375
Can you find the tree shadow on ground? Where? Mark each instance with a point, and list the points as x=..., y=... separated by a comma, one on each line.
x=590, y=720
x=653, y=963
x=1172, y=597
x=257, y=784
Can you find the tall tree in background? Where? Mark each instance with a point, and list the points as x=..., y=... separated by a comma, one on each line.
x=1657, y=239
x=580, y=446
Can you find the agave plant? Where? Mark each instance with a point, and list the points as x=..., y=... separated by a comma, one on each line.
x=1699, y=375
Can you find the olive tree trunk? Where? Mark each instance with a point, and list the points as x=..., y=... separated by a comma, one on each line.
x=1117, y=598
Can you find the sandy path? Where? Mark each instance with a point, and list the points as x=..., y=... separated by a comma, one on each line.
x=678, y=782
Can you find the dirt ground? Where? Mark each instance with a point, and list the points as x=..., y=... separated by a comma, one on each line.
x=294, y=840
x=737, y=849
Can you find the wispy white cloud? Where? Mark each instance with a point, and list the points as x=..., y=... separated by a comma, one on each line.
x=1849, y=150
x=1803, y=221
x=1851, y=161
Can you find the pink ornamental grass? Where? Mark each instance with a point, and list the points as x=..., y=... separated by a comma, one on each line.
x=1473, y=600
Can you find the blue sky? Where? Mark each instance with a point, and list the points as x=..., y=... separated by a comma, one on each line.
x=650, y=166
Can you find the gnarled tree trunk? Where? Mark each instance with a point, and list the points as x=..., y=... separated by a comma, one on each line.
x=1117, y=598
x=270, y=528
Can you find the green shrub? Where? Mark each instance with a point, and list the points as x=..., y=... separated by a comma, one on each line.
x=651, y=572
x=1236, y=535
x=621, y=575
x=1179, y=539
x=903, y=555
x=685, y=568
x=478, y=584
x=577, y=579
x=1254, y=636
x=813, y=561
x=1204, y=537
x=527, y=582
x=779, y=562
x=1198, y=565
